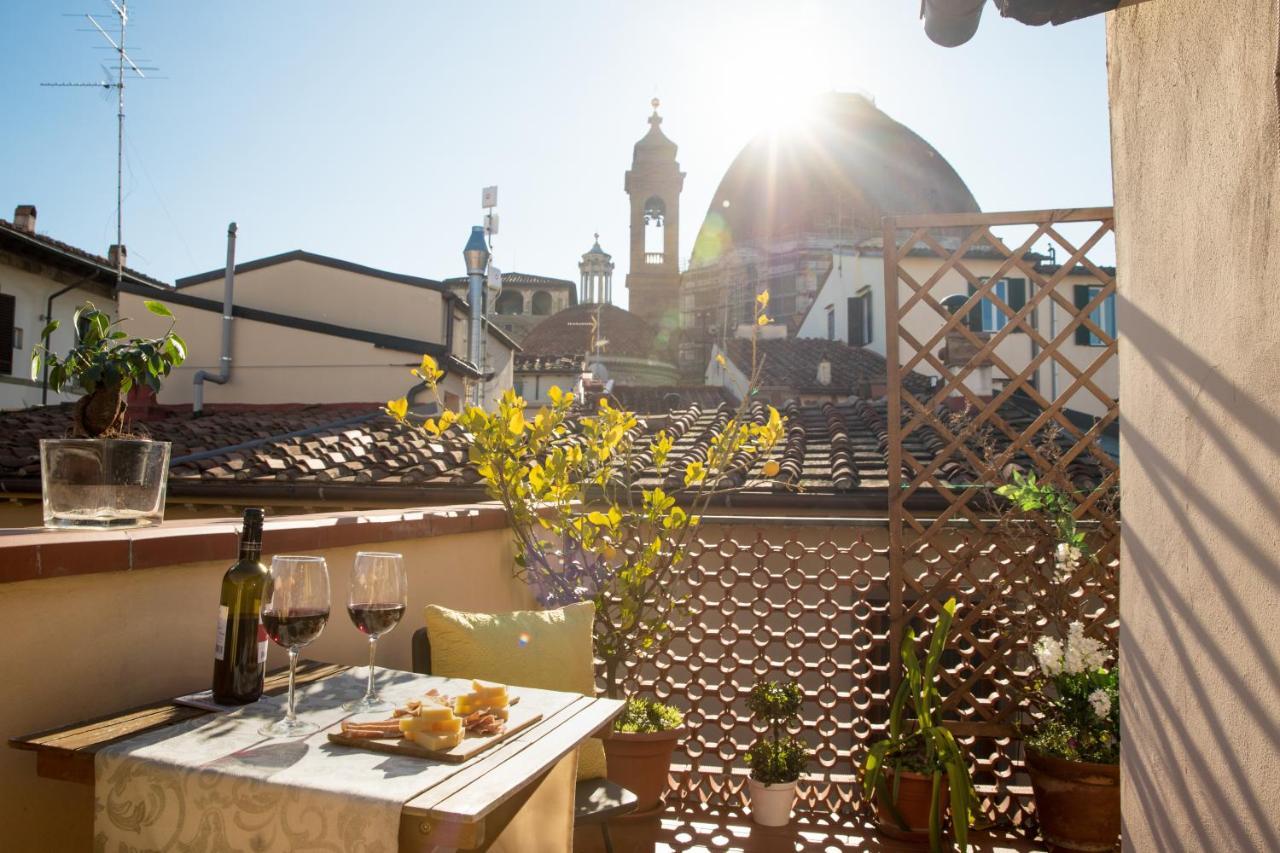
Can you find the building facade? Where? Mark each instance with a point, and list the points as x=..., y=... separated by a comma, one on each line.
x=524, y=301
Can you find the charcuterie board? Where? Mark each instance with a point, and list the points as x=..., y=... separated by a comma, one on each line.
x=521, y=717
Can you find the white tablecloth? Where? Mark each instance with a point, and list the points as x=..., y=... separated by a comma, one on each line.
x=215, y=783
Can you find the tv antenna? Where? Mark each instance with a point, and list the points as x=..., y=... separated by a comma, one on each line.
x=124, y=66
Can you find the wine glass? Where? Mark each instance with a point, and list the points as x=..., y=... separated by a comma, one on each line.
x=295, y=608
x=379, y=592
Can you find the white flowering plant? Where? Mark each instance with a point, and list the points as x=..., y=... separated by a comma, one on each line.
x=1079, y=698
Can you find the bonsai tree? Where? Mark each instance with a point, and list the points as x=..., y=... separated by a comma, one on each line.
x=919, y=741
x=777, y=757
x=106, y=363
x=584, y=529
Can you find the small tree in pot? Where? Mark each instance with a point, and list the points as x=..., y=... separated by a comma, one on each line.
x=778, y=759
x=586, y=531
x=101, y=476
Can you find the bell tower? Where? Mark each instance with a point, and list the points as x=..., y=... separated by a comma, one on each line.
x=654, y=182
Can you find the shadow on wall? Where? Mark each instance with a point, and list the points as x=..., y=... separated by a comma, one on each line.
x=1225, y=667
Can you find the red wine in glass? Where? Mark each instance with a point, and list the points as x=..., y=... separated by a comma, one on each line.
x=296, y=627
x=374, y=620
x=375, y=602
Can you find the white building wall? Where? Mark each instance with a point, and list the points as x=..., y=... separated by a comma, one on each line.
x=31, y=293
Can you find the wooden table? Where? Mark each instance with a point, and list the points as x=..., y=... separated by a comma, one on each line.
x=473, y=808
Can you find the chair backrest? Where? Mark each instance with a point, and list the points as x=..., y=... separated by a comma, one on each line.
x=421, y=652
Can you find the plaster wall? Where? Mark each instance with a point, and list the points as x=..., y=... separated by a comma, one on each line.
x=300, y=288
x=1196, y=137
x=31, y=292
x=120, y=639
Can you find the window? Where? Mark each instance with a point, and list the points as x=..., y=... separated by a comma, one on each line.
x=831, y=322
x=989, y=318
x=860, y=319
x=510, y=302
x=655, y=211
x=518, y=387
x=7, y=343
x=542, y=302
x=1104, y=315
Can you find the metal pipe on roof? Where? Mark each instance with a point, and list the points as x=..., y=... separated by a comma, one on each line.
x=228, y=304
x=476, y=255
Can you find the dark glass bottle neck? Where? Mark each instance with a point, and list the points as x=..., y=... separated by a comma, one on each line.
x=251, y=539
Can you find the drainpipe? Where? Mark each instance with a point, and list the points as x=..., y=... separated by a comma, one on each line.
x=224, y=361
x=48, y=318
x=476, y=255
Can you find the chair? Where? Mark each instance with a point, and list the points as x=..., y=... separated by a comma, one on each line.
x=595, y=801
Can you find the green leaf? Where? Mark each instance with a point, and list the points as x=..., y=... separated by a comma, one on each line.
x=158, y=308
x=35, y=364
x=49, y=330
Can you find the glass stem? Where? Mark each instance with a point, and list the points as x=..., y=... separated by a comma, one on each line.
x=293, y=672
x=373, y=648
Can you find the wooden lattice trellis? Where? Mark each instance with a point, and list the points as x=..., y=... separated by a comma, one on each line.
x=992, y=576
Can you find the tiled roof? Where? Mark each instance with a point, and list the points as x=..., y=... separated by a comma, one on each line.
x=521, y=278
x=833, y=453
x=660, y=399
x=791, y=364
x=103, y=265
x=568, y=332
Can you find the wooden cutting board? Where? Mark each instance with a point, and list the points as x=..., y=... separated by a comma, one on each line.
x=520, y=718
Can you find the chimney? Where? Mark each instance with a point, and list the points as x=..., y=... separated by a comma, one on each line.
x=824, y=371
x=118, y=255
x=24, y=218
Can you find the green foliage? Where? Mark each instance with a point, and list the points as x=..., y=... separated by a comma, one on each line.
x=1031, y=495
x=922, y=742
x=647, y=716
x=1072, y=728
x=777, y=757
x=584, y=531
x=106, y=357
x=775, y=761
x=776, y=703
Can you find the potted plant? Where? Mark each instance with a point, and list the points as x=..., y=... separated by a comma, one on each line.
x=585, y=531
x=919, y=771
x=639, y=752
x=1073, y=749
x=778, y=758
x=102, y=476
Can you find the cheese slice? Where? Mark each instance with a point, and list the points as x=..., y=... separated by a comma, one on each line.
x=421, y=724
x=436, y=741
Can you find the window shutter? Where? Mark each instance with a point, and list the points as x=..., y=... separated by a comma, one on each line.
x=1017, y=292
x=1082, y=299
x=975, y=313
x=870, y=328
x=856, y=321
x=7, y=305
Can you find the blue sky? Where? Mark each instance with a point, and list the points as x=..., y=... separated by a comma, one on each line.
x=365, y=131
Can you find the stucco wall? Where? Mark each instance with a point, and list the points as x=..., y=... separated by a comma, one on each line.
x=31, y=292
x=1195, y=142
x=96, y=644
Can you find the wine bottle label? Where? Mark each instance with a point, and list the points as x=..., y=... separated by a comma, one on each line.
x=220, y=644
x=262, y=644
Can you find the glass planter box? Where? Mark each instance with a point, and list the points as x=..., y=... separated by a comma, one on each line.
x=103, y=483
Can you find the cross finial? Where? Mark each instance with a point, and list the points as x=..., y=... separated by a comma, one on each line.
x=597, y=236
x=655, y=103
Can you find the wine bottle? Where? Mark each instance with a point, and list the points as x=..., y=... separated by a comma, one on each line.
x=240, y=650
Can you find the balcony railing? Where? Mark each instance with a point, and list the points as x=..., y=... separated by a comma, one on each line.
x=654, y=259
x=810, y=600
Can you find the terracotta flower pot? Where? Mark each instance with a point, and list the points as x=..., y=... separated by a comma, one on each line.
x=1077, y=803
x=771, y=804
x=915, y=794
x=641, y=763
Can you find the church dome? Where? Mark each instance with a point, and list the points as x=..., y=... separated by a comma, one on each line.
x=569, y=332
x=843, y=169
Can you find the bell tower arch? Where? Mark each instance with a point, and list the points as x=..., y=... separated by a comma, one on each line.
x=653, y=184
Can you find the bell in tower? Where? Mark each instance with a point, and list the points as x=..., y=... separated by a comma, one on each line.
x=653, y=183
